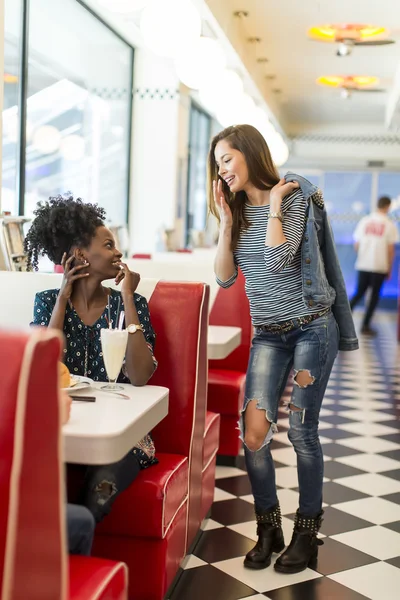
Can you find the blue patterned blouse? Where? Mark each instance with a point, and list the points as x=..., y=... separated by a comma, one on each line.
x=83, y=355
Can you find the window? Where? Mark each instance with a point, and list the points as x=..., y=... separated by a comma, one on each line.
x=78, y=108
x=348, y=198
x=11, y=112
x=199, y=141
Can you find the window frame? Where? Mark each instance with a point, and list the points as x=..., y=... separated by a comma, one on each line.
x=23, y=99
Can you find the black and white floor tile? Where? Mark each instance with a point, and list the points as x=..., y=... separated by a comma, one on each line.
x=360, y=558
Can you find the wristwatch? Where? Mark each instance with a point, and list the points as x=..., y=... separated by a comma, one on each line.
x=276, y=215
x=134, y=327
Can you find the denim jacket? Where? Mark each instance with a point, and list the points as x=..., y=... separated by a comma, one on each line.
x=322, y=277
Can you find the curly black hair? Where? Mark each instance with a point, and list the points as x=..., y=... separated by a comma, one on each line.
x=61, y=223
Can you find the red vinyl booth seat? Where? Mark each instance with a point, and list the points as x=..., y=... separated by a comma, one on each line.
x=232, y=383
x=156, y=519
x=226, y=378
x=160, y=491
x=210, y=449
x=211, y=437
x=33, y=544
x=97, y=579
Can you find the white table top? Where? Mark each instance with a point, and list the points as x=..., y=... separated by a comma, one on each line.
x=102, y=432
x=222, y=340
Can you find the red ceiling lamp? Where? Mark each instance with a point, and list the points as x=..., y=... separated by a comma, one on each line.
x=350, y=35
x=347, y=84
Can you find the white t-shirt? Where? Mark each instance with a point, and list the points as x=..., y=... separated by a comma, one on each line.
x=374, y=234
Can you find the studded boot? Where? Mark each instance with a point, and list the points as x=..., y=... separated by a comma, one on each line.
x=303, y=549
x=270, y=539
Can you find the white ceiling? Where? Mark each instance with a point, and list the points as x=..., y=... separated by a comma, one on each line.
x=297, y=62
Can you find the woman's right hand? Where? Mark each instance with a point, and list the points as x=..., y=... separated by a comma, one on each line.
x=70, y=276
x=225, y=213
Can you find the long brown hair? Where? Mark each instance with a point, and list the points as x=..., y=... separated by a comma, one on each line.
x=262, y=172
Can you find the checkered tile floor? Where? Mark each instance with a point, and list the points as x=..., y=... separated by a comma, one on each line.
x=360, y=558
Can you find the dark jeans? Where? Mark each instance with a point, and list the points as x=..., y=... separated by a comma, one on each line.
x=80, y=529
x=311, y=348
x=367, y=280
x=102, y=484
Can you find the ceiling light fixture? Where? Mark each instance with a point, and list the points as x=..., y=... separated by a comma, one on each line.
x=201, y=64
x=342, y=32
x=344, y=49
x=349, y=84
x=350, y=35
x=356, y=81
x=162, y=30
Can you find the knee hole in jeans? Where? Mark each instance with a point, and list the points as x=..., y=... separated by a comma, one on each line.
x=257, y=431
x=104, y=491
x=303, y=378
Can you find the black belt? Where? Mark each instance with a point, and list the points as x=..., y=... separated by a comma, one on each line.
x=286, y=326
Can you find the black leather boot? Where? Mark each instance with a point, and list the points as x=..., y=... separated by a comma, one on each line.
x=302, y=551
x=270, y=539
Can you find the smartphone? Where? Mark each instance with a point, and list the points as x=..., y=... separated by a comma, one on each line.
x=84, y=398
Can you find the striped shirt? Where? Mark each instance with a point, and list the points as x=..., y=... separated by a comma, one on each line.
x=273, y=274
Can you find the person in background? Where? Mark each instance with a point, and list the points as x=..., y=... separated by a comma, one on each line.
x=375, y=237
x=80, y=521
x=277, y=232
x=72, y=233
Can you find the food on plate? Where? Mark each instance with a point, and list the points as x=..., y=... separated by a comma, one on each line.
x=65, y=376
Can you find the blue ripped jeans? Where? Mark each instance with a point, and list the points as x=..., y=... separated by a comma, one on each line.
x=103, y=484
x=311, y=348
x=80, y=529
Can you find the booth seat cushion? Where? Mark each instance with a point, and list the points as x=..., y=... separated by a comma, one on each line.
x=230, y=443
x=211, y=437
x=149, y=505
x=225, y=391
x=97, y=579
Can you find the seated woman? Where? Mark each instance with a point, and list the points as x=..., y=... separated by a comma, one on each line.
x=72, y=233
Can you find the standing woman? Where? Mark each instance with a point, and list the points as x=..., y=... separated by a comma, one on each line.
x=277, y=232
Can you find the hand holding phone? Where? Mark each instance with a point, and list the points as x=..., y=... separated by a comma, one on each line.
x=71, y=274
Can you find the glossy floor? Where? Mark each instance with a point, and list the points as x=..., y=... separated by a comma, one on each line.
x=360, y=557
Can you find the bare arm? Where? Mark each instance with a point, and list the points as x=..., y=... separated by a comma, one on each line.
x=71, y=274
x=391, y=253
x=224, y=265
x=139, y=361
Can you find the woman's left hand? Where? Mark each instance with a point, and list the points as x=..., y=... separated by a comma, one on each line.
x=130, y=280
x=280, y=191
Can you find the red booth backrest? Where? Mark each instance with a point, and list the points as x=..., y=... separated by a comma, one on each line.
x=179, y=314
x=231, y=308
x=34, y=565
